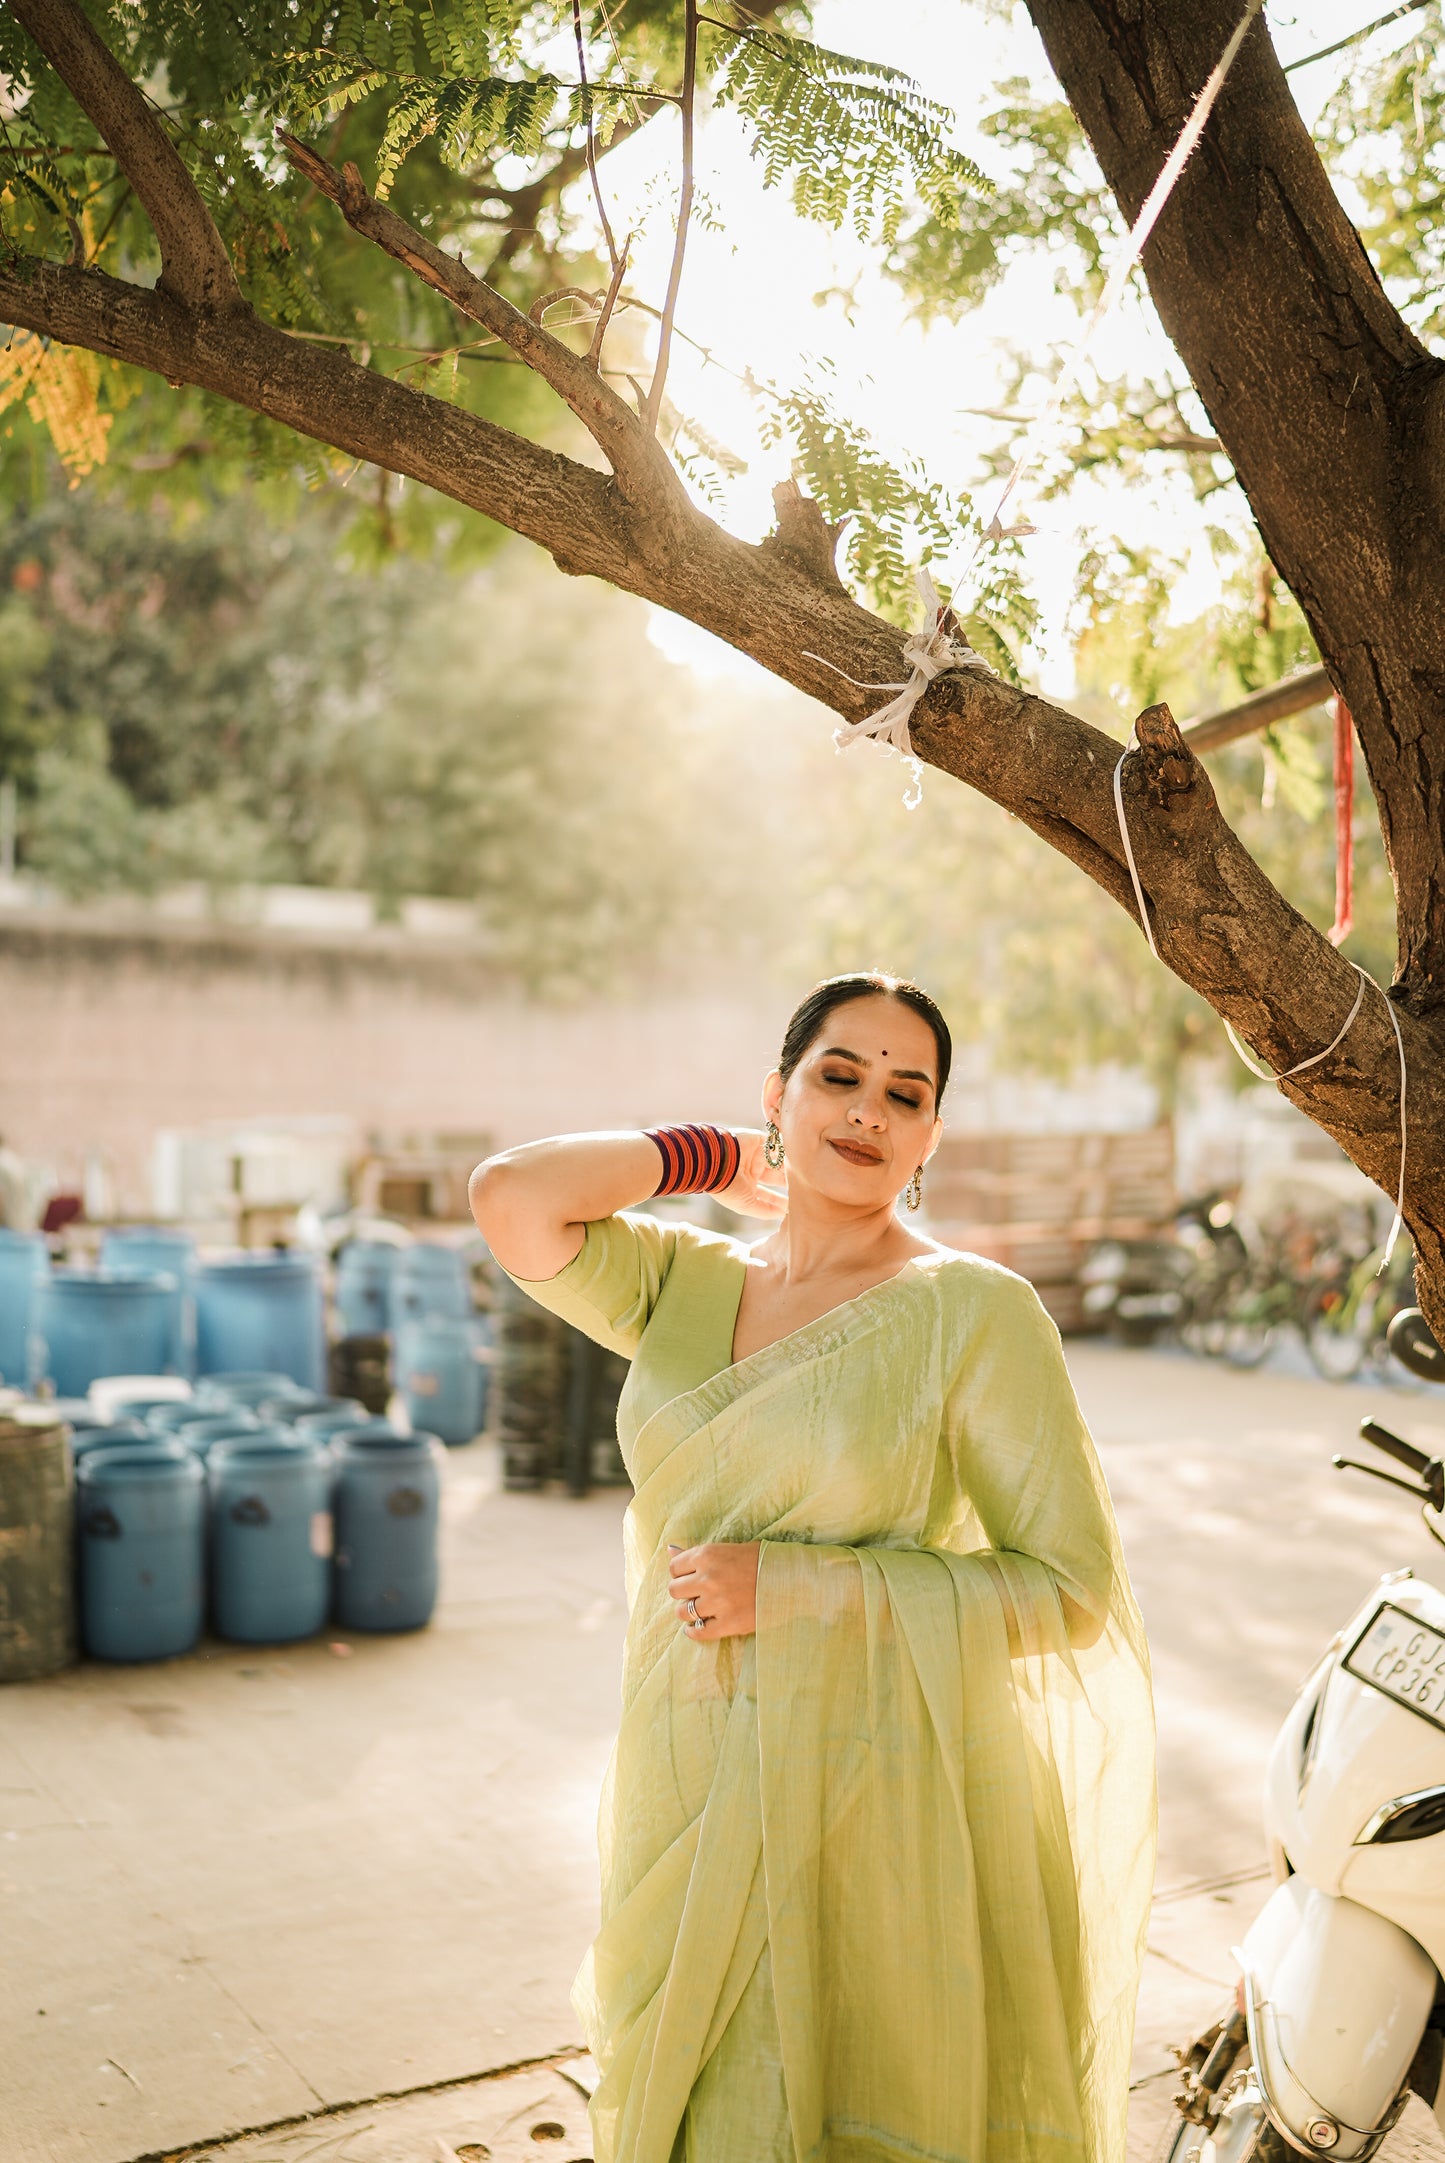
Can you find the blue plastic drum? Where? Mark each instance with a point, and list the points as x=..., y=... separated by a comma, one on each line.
x=141, y=1532
x=154, y=1250
x=126, y=1409
x=442, y=1382
x=90, y=1323
x=271, y=1538
x=24, y=1264
x=388, y=1490
x=174, y=1418
x=262, y=1310
x=247, y=1389
x=342, y=1414
x=297, y=1404
x=431, y=1279
x=200, y=1436
x=129, y=1434
x=365, y=1270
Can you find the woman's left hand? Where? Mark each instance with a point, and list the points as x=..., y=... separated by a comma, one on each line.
x=722, y=1578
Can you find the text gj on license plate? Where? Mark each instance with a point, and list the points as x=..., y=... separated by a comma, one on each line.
x=1405, y=1658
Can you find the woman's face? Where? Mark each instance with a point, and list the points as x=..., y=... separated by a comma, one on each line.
x=858, y=1114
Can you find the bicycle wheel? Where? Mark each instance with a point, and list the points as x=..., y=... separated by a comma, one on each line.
x=1337, y=1338
x=1247, y=1340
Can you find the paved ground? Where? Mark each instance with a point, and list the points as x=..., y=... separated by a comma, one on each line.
x=238, y=1890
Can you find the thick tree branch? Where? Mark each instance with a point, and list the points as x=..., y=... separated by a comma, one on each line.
x=1330, y=409
x=645, y=474
x=194, y=265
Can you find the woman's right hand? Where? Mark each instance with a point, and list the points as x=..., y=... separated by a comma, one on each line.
x=758, y=1189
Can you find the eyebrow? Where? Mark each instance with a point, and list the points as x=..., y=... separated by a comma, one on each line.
x=899, y=1073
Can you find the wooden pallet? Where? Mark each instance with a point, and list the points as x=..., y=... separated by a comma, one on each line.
x=1039, y=1202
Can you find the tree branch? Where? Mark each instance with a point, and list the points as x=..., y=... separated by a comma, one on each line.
x=644, y=472
x=591, y=146
x=684, y=219
x=195, y=267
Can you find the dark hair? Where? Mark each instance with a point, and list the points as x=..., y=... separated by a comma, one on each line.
x=806, y=1026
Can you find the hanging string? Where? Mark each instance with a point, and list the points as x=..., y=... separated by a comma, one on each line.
x=1130, y=745
x=1268, y=1074
x=1315, y=1058
x=939, y=646
x=1344, y=922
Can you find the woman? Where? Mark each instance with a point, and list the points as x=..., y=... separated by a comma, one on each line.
x=877, y=1835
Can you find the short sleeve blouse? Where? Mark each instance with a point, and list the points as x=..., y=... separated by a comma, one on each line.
x=673, y=1285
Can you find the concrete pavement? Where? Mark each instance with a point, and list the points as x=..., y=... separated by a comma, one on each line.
x=246, y=1888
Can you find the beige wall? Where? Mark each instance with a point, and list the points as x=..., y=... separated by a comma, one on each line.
x=114, y=1027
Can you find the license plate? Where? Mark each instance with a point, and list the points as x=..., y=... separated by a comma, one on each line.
x=1405, y=1659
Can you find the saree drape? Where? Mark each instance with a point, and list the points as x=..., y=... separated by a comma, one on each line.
x=875, y=1880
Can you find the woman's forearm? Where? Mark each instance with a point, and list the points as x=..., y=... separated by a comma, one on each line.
x=533, y=1204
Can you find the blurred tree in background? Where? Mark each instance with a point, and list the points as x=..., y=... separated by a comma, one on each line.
x=223, y=695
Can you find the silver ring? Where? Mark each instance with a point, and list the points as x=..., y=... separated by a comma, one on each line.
x=692, y=1611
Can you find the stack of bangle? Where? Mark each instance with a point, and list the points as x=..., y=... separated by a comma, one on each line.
x=696, y=1160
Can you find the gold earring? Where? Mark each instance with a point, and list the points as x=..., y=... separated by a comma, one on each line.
x=913, y=1192
x=773, y=1146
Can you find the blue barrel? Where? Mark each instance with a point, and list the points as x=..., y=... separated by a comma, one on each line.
x=431, y=1280
x=388, y=1490
x=247, y=1389
x=125, y=1409
x=174, y=1418
x=129, y=1433
x=343, y=1413
x=367, y=1427
x=90, y=1322
x=365, y=1270
x=297, y=1404
x=271, y=1538
x=441, y=1380
x=141, y=1527
x=262, y=1310
x=24, y=1264
x=201, y=1435
x=155, y=1250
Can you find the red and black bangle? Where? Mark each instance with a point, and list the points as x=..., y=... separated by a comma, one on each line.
x=696, y=1160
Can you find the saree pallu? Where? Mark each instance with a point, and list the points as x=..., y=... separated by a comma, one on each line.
x=875, y=1881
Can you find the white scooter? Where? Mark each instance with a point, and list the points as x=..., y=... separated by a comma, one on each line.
x=1339, y=2014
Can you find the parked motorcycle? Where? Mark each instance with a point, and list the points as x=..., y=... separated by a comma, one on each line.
x=1339, y=2014
x=1138, y=1288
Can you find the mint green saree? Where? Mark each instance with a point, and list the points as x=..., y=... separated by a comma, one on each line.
x=875, y=1880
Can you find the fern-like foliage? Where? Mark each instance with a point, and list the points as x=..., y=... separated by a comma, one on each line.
x=1050, y=196
x=897, y=517
x=861, y=142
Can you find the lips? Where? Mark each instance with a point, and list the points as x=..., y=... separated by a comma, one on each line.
x=857, y=1153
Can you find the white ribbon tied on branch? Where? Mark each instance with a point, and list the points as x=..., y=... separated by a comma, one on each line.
x=931, y=652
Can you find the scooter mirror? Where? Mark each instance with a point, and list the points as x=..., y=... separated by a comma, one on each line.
x=1411, y=1340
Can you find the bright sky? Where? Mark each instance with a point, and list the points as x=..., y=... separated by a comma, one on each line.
x=752, y=291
